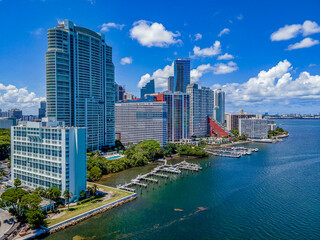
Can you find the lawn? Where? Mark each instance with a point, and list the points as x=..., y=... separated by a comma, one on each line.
x=76, y=210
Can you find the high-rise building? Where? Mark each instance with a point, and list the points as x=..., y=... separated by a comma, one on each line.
x=15, y=113
x=171, y=83
x=232, y=119
x=46, y=154
x=201, y=108
x=181, y=74
x=128, y=96
x=219, y=105
x=141, y=120
x=148, y=88
x=253, y=127
x=119, y=92
x=178, y=114
x=42, y=109
x=80, y=81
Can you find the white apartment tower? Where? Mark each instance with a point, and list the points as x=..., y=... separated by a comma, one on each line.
x=46, y=154
x=80, y=81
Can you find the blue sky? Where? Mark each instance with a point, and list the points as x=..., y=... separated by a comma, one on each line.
x=262, y=64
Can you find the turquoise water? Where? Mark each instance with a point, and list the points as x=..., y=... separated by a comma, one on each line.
x=271, y=194
x=114, y=157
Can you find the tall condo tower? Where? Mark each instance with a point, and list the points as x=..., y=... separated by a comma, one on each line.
x=80, y=81
x=171, y=83
x=219, y=105
x=181, y=74
x=148, y=88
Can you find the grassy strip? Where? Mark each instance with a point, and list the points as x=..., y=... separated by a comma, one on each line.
x=85, y=207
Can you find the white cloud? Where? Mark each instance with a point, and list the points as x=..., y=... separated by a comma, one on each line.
x=225, y=56
x=275, y=84
x=305, y=43
x=214, y=50
x=224, y=31
x=197, y=36
x=37, y=32
x=153, y=34
x=13, y=97
x=221, y=68
x=126, y=60
x=285, y=33
x=291, y=31
x=240, y=17
x=106, y=26
x=160, y=76
x=309, y=28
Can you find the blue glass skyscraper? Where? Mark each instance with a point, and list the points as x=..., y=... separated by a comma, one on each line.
x=181, y=74
x=148, y=88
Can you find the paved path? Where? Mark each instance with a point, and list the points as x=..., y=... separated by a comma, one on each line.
x=6, y=221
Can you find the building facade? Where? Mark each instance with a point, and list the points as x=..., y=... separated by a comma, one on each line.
x=148, y=88
x=201, y=108
x=137, y=121
x=80, y=81
x=181, y=74
x=119, y=92
x=15, y=113
x=42, y=109
x=253, y=127
x=178, y=114
x=219, y=106
x=171, y=83
x=46, y=154
x=7, y=123
x=232, y=119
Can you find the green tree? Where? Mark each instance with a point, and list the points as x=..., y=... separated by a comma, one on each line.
x=94, y=174
x=12, y=199
x=67, y=195
x=83, y=194
x=5, y=143
x=150, y=149
x=3, y=174
x=53, y=194
x=31, y=200
x=17, y=182
x=35, y=218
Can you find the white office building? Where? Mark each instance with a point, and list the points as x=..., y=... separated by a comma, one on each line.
x=201, y=107
x=138, y=121
x=253, y=127
x=46, y=154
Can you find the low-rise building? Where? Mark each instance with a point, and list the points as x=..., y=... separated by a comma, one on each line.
x=232, y=119
x=46, y=154
x=141, y=120
x=7, y=123
x=253, y=127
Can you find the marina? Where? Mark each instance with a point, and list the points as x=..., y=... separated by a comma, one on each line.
x=232, y=152
x=158, y=172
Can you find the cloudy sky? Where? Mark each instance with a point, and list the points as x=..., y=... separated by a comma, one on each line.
x=264, y=54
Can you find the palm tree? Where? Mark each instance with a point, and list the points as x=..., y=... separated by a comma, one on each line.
x=67, y=195
x=49, y=195
x=3, y=173
x=94, y=189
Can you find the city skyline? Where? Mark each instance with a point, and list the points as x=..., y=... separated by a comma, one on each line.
x=265, y=61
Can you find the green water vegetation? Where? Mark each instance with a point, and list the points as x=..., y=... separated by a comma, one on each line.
x=24, y=206
x=135, y=156
x=5, y=141
x=102, y=196
x=279, y=131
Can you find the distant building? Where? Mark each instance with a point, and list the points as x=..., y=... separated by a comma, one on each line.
x=219, y=106
x=7, y=123
x=253, y=127
x=29, y=118
x=201, y=108
x=128, y=96
x=148, y=88
x=138, y=121
x=46, y=154
x=232, y=119
x=272, y=125
x=80, y=81
x=178, y=114
x=42, y=109
x=119, y=92
x=15, y=113
x=171, y=83
x=181, y=74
